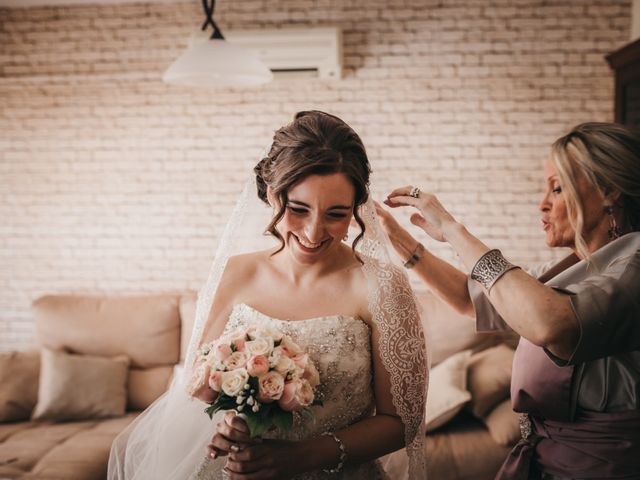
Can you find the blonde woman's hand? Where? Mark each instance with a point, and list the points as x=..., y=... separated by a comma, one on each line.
x=402, y=241
x=433, y=218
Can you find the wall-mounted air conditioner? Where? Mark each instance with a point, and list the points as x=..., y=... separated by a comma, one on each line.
x=309, y=51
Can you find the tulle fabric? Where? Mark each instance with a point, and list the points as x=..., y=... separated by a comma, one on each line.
x=168, y=440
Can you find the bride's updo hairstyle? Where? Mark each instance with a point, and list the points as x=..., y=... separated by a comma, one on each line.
x=315, y=143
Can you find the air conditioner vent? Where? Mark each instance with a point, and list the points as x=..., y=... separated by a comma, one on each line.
x=314, y=51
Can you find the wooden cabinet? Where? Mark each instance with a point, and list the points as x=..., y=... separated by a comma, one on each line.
x=626, y=64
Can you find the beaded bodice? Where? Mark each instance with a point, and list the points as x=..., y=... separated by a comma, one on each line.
x=340, y=347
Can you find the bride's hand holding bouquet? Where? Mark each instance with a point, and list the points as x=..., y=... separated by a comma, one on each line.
x=260, y=374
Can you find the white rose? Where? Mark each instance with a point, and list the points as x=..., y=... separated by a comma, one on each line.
x=237, y=334
x=259, y=346
x=269, y=332
x=233, y=382
x=275, y=356
x=236, y=360
x=285, y=365
x=270, y=387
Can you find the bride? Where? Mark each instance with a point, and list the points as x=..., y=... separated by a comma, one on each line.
x=346, y=305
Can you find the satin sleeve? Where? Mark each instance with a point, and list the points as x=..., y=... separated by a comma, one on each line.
x=607, y=307
x=487, y=318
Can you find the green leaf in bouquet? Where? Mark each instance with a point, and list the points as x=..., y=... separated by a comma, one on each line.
x=254, y=383
x=281, y=419
x=223, y=402
x=257, y=424
x=210, y=410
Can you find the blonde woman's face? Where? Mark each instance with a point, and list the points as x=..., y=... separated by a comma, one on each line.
x=556, y=221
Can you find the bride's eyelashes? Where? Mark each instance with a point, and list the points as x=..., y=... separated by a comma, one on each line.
x=304, y=211
x=297, y=211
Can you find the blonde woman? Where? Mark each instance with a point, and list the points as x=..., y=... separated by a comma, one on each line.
x=576, y=372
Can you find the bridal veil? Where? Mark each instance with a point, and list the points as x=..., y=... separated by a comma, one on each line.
x=168, y=440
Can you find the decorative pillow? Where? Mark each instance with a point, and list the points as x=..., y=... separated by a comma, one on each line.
x=447, y=390
x=449, y=332
x=80, y=387
x=489, y=379
x=503, y=424
x=19, y=373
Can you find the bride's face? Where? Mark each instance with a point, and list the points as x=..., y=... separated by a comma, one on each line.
x=317, y=216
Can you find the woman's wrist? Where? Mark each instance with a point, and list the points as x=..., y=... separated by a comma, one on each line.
x=452, y=230
x=304, y=457
x=415, y=256
x=320, y=453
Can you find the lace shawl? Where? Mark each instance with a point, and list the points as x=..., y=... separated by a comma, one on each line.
x=161, y=442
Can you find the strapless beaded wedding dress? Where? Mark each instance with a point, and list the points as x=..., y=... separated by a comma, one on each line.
x=340, y=347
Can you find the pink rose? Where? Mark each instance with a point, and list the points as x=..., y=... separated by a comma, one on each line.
x=311, y=375
x=239, y=343
x=296, y=395
x=223, y=350
x=199, y=386
x=301, y=360
x=258, y=365
x=215, y=381
x=291, y=347
x=270, y=386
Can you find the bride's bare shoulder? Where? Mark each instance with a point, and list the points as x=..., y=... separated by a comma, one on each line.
x=243, y=267
x=238, y=273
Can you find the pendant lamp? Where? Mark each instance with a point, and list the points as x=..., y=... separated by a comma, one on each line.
x=215, y=62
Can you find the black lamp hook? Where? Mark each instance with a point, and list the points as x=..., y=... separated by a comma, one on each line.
x=208, y=11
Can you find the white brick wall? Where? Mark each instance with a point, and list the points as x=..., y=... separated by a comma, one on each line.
x=111, y=181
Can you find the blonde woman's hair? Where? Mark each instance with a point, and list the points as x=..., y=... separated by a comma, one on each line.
x=608, y=155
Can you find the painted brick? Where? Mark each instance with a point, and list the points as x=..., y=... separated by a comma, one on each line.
x=111, y=181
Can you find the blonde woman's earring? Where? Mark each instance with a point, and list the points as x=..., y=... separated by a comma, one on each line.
x=614, y=229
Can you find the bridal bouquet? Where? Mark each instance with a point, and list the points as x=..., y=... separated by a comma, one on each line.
x=258, y=372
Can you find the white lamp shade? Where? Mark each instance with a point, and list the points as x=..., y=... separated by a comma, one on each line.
x=216, y=62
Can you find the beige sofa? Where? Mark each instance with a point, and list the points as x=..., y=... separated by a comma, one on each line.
x=152, y=332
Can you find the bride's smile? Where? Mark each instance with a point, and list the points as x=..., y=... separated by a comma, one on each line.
x=318, y=212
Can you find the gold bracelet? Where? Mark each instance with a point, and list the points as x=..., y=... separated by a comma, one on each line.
x=415, y=256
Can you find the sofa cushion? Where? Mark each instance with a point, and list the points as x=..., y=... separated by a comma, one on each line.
x=63, y=451
x=461, y=450
x=187, y=318
x=503, y=424
x=144, y=386
x=449, y=332
x=144, y=328
x=447, y=390
x=80, y=387
x=489, y=378
x=19, y=372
